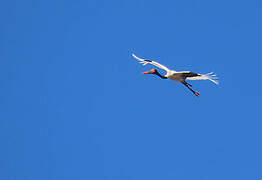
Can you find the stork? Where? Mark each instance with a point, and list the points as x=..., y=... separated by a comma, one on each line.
x=180, y=76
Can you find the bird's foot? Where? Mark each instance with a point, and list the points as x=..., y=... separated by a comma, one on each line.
x=196, y=93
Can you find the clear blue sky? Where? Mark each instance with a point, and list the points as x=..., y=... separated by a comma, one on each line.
x=74, y=104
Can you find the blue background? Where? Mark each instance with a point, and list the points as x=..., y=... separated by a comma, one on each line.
x=74, y=105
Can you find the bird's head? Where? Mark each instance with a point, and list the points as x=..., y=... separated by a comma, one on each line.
x=152, y=71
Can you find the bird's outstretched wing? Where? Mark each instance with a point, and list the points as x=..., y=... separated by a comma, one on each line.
x=145, y=62
x=195, y=76
x=187, y=74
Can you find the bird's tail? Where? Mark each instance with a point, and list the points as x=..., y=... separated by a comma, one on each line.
x=212, y=77
x=209, y=76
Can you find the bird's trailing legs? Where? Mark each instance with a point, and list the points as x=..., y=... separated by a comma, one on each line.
x=189, y=87
x=188, y=84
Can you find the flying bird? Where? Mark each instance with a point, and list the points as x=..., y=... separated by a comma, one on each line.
x=180, y=76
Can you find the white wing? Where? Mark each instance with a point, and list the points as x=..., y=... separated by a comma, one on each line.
x=209, y=76
x=145, y=62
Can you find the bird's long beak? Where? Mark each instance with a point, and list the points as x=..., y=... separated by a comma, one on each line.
x=148, y=72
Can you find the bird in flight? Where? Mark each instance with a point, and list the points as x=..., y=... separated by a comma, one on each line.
x=181, y=76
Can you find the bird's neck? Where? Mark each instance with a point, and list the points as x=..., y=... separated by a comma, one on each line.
x=158, y=74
